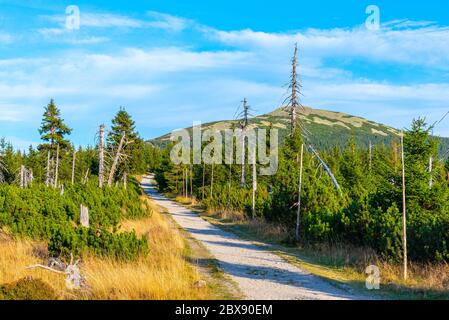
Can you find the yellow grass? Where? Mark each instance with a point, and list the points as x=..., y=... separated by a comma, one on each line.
x=184, y=200
x=163, y=274
x=343, y=262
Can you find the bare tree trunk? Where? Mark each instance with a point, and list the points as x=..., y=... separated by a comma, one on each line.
x=101, y=158
x=404, y=214
x=125, y=179
x=430, y=171
x=229, y=186
x=204, y=178
x=86, y=176
x=73, y=166
x=22, y=177
x=299, y=194
x=116, y=159
x=243, y=177
x=30, y=176
x=84, y=216
x=254, y=185
x=57, y=167
x=294, y=87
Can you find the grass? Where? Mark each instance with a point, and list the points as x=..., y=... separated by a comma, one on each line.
x=343, y=265
x=165, y=273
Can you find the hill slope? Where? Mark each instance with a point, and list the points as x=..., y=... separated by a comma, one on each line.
x=325, y=129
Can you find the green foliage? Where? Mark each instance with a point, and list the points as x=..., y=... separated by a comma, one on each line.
x=367, y=212
x=42, y=213
x=123, y=246
x=53, y=129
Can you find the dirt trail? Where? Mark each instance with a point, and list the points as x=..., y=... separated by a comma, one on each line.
x=260, y=274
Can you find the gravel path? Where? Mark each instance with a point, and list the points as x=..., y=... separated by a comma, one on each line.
x=260, y=275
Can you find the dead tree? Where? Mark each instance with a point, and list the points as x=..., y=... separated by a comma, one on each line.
x=84, y=216
x=101, y=158
x=404, y=212
x=74, y=278
x=293, y=99
x=125, y=179
x=204, y=178
x=116, y=160
x=23, y=177
x=254, y=185
x=244, y=126
x=73, y=166
x=86, y=176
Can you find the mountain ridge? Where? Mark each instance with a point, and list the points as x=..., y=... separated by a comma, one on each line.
x=323, y=128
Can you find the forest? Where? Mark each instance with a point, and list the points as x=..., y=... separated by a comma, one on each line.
x=365, y=209
x=42, y=189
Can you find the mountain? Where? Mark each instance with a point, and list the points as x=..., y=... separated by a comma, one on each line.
x=323, y=128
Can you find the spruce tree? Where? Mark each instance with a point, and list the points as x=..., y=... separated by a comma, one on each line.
x=134, y=149
x=53, y=129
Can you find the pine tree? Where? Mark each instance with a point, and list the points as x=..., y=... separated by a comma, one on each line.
x=53, y=129
x=134, y=147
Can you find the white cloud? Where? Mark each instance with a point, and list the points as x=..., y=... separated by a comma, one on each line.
x=417, y=43
x=156, y=20
x=167, y=87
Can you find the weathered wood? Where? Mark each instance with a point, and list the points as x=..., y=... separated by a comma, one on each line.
x=86, y=176
x=125, y=180
x=244, y=126
x=101, y=158
x=254, y=185
x=116, y=160
x=326, y=168
x=84, y=216
x=204, y=178
x=22, y=177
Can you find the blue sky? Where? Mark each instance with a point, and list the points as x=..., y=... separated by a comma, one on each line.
x=174, y=62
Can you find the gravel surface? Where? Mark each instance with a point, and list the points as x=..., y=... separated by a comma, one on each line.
x=260, y=274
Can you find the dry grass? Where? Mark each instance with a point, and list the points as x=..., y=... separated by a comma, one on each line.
x=17, y=255
x=163, y=274
x=342, y=262
x=186, y=201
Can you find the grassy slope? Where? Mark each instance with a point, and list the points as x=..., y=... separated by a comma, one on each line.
x=166, y=273
x=326, y=128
